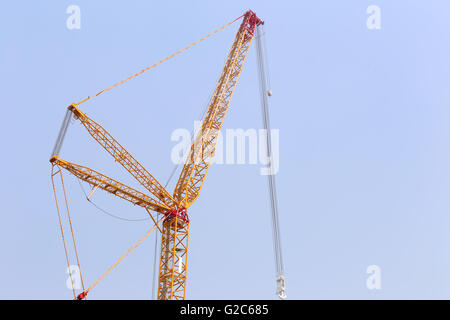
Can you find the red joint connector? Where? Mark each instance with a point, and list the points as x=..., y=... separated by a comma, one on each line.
x=180, y=213
x=251, y=21
x=82, y=295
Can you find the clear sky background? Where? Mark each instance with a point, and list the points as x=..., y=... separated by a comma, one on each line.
x=364, y=126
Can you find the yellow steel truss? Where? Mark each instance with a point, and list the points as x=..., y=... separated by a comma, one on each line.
x=202, y=149
x=122, y=156
x=173, y=262
x=96, y=179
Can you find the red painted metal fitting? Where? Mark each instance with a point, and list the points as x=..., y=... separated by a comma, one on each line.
x=251, y=21
x=180, y=213
x=82, y=295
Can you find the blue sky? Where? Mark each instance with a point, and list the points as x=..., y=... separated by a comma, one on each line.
x=364, y=159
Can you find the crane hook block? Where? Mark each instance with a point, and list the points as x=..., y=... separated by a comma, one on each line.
x=82, y=295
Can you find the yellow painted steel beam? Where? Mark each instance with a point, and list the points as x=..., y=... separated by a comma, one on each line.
x=96, y=179
x=202, y=149
x=121, y=155
x=173, y=261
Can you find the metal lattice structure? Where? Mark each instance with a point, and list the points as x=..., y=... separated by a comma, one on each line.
x=174, y=253
x=175, y=224
x=202, y=150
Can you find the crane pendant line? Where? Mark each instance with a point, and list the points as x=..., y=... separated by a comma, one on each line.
x=157, y=63
x=280, y=278
x=59, y=172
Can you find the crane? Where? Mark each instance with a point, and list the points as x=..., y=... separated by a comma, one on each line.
x=174, y=227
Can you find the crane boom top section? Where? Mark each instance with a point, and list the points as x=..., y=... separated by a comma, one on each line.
x=203, y=147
